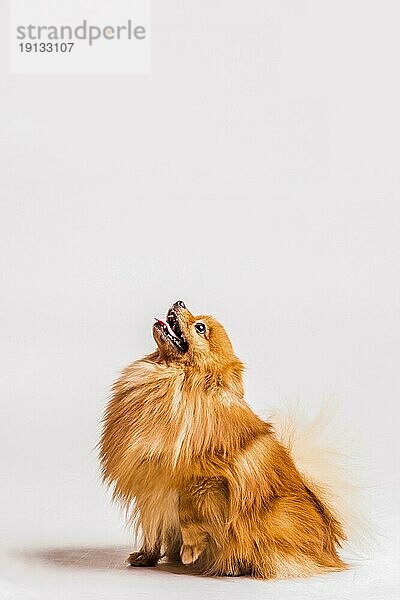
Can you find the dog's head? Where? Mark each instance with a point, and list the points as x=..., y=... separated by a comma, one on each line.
x=198, y=340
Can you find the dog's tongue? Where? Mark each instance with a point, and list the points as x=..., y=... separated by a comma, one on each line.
x=162, y=322
x=168, y=327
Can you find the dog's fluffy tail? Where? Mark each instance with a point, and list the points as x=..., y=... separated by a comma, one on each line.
x=324, y=455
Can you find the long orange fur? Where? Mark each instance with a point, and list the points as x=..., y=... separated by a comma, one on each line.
x=204, y=478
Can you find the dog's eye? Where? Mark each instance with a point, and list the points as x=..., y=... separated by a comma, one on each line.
x=200, y=327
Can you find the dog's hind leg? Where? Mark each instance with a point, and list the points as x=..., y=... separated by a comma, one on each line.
x=202, y=516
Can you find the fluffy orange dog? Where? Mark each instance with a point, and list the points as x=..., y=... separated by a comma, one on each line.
x=206, y=479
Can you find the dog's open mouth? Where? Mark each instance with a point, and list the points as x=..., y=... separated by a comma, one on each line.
x=172, y=330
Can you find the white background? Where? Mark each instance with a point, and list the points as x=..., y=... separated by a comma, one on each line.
x=255, y=175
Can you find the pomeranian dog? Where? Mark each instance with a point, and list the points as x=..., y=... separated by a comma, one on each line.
x=202, y=477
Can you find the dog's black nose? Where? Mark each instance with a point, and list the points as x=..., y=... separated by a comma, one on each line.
x=179, y=304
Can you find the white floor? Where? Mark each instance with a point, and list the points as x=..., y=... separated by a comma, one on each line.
x=67, y=570
x=89, y=573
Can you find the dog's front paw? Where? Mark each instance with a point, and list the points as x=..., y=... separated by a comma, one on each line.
x=141, y=559
x=189, y=554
